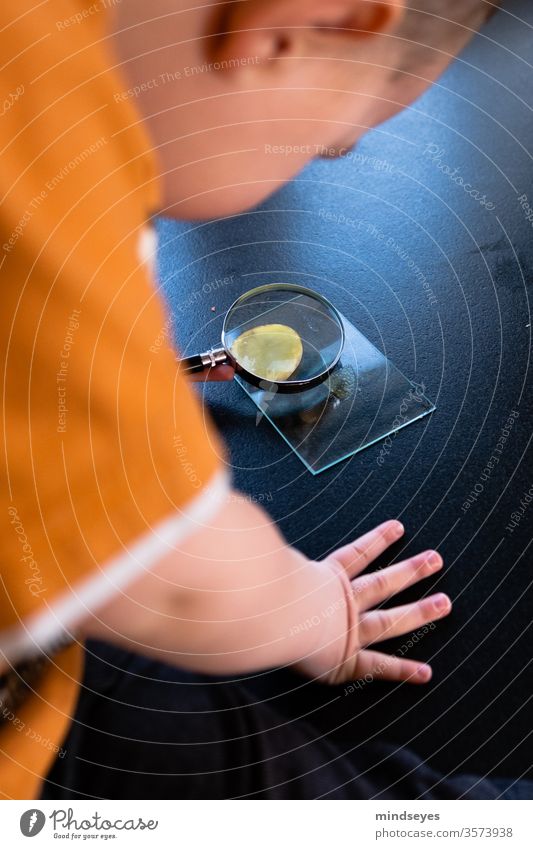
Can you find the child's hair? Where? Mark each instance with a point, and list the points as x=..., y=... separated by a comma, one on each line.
x=459, y=11
x=436, y=23
x=466, y=8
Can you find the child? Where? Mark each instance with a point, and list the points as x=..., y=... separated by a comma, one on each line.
x=119, y=522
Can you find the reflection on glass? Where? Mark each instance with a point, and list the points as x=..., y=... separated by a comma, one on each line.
x=364, y=399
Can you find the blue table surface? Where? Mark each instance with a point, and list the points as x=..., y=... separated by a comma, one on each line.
x=438, y=274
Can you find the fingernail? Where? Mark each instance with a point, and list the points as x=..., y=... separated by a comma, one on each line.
x=432, y=558
x=398, y=528
x=424, y=673
x=442, y=602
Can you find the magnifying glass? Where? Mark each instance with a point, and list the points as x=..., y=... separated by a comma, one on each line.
x=279, y=337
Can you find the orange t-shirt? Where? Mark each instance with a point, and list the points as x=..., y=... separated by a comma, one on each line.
x=108, y=460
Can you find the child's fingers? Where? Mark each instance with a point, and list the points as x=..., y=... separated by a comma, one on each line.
x=217, y=373
x=378, y=625
x=356, y=556
x=376, y=666
x=378, y=586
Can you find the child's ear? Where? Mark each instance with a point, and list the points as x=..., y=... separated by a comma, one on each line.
x=265, y=29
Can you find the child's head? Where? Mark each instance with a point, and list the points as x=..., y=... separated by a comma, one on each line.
x=243, y=94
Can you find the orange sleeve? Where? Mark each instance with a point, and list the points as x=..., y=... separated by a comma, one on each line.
x=108, y=459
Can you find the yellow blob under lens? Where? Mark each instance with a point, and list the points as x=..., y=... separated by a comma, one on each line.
x=270, y=351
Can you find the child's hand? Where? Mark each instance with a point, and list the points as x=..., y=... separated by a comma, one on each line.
x=347, y=658
x=216, y=374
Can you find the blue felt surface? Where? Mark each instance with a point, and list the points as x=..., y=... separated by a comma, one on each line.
x=441, y=282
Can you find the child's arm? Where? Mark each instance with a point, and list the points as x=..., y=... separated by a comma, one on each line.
x=237, y=598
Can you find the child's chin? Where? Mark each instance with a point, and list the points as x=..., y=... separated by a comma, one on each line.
x=221, y=203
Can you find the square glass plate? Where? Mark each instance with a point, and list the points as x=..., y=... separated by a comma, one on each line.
x=365, y=399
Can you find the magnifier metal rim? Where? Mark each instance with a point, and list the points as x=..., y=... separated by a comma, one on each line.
x=284, y=385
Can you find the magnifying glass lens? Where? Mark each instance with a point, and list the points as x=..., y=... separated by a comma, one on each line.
x=271, y=351
x=283, y=334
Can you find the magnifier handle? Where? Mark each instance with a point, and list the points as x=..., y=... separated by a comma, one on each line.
x=202, y=362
